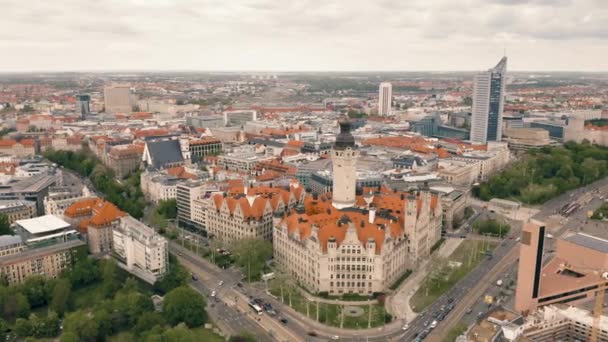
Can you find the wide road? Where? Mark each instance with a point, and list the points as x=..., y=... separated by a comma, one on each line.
x=472, y=298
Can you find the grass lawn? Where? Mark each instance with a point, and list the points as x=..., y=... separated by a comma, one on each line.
x=329, y=314
x=456, y=331
x=442, y=277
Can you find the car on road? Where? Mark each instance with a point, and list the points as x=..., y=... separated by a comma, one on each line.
x=180, y=254
x=433, y=324
x=405, y=327
x=469, y=310
x=283, y=320
x=312, y=333
x=221, y=283
x=212, y=293
x=267, y=306
x=194, y=278
x=426, y=323
x=335, y=337
x=239, y=284
x=258, y=301
x=450, y=300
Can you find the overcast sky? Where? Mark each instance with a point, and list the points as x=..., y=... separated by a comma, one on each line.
x=302, y=35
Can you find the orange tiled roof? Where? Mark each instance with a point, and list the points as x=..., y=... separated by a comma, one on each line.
x=95, y=212
x=205, y=141
x=180, y=172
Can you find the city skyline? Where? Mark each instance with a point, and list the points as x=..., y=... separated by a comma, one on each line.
x=261, y=35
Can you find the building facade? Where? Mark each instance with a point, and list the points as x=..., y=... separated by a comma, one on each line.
x=117, y=99
x=385, y=99
x=488, y=104
x=140, y=250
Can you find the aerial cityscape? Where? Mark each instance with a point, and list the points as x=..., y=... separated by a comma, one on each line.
x=448, y=190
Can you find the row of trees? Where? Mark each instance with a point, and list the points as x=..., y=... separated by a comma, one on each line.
x=491, y=227
x=165, y=210
x=547, y=173
x=126, y=195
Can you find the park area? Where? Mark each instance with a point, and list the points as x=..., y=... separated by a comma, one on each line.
x=445, y=272
x=360, y=316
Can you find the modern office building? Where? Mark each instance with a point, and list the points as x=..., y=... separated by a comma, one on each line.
x=83, y=105
x=385, y=99
x=488, y=104
x=117, y=99
x=238, y=118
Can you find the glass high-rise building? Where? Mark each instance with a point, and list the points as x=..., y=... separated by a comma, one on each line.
x=488, y=104
x=83, y=105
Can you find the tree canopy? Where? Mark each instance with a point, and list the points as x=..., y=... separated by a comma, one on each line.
x=547, y=173
x=183, y=304
x=251, y=255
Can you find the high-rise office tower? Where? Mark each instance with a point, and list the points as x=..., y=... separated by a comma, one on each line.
x=83, y=105
x=117, y=99
x=385, y=99
x=488, y=104
x=344, y=157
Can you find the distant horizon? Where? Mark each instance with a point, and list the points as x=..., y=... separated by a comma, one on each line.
x=254, y=71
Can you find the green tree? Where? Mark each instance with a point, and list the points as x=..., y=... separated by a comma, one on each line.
x=5, y=226
x=14, y=305
x=147, y=321
x=109, y=277
x=243, y=337
x=183, y=304
x=82, y=325
x=167, y=208
x=176, y=277
x=69, y=337
x=84, y=272
x=61, y=295
x=36, y=289
x=23, y=328
x=251, y=255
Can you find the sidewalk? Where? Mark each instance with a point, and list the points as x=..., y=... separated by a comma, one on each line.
x=398, y=304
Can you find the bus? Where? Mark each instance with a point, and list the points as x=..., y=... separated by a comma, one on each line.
x=256, y=308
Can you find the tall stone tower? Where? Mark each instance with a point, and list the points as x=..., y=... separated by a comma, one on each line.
x=344, y=156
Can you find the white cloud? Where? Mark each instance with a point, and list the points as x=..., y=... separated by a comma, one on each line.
x=302, y=35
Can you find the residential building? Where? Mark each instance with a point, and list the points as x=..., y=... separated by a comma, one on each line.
x=21, y=148
x=10, y=244
x=117, y=99
x=244, y=160
x=140, y=250
x=246, y=213
x=48, y=260
x=561, y=322
x=95, y=219
x=488, y=104
x=59, y=198
x=124, y=159
x=18, y=210
x=200, y=148
x=385, y=99
x=187, y=192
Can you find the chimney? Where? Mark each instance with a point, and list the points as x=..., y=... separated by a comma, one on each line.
x=372, y=215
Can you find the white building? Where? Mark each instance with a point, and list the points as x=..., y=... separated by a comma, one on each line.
x=238, y=118
x=385, y=99
x=140, y=250
x=488, y=104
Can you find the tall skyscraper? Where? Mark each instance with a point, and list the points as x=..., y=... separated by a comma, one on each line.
x=83, y=105
x=385, y=99
x=344, y=156
x=117, y=99
x=488, y=104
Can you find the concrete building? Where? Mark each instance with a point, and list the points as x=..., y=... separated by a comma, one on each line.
x=238, y=118
x=562, y=323
x=385, y=99
x=209, y=121
x=488, y=104
x=579, y=130
x=117, y=99
x=555, y=128
x=527, y=138
x=33, y=189
x=21, y=148
x=187, y=192
x=199, y=148
x=572, y=276
x=453, y=203
x=140, y=250
x=244, y=160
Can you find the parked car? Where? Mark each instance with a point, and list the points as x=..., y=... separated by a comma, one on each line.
x=335, y=337
x=212, y=293
x=283, y=320
x=194, y=278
